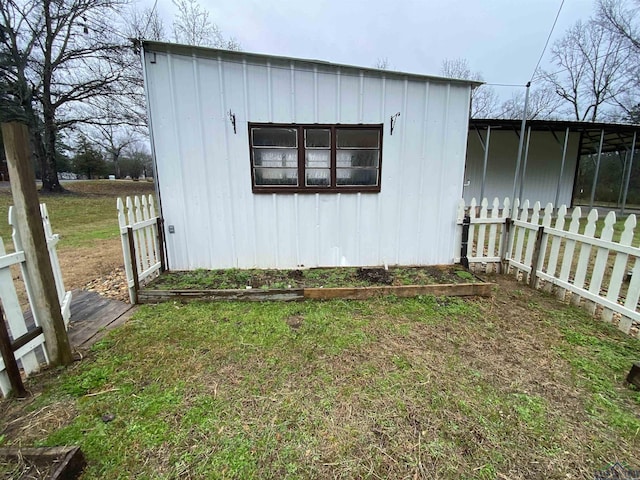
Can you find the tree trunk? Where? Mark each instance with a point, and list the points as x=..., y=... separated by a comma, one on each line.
x=49, y=171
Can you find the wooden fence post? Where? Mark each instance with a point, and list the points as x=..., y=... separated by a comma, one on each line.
x=10, y=364
x=506, y=234
x=163, y=255
x=536, y=258
x=36, y=252
x=134, y=264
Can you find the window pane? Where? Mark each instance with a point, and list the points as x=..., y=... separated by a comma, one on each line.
x=275, y=137
x=318, y=158
x=275, y=157
x=357, y=158
x=318, y=177
x=357, y=176
x=316, y=138
x=357, y=138
x=276, y=176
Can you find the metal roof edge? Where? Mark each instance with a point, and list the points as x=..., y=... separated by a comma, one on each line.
x=578, y=125
x=208, y=52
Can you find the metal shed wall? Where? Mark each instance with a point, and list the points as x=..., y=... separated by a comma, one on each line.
x=204, y=176
x=542, y=172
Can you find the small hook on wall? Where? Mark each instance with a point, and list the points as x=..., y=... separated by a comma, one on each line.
x=232, y=118
x=394, y=119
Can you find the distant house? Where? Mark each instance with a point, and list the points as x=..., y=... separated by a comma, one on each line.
x=275, y=162
x=551, y=156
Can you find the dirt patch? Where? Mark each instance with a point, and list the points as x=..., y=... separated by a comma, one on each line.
x=376, y=276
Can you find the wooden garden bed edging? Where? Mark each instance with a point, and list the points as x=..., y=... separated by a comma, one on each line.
x=296, y=294
x=69, y=460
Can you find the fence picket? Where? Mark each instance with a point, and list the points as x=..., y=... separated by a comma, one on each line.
x=141, y=234
x=619, y=268
x=493, y=228
x=555, y=246
x=602, y=256
x=569, y=248
x=633, y=293
x=520, y=232
x=472, y=252
x=585, y=254
x=480, y=245
x=149, y=233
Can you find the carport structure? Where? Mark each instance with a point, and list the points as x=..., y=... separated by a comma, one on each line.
x=561, y=161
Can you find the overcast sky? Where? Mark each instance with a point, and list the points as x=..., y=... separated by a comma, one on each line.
x=500, y=38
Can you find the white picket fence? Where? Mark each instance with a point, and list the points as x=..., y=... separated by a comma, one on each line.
x=539, y=247
x=27, y=354
x=142, y=241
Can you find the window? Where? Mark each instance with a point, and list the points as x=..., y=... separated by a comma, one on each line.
x=315, y=158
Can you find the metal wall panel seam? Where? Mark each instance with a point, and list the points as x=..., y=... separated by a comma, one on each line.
x=380, y=260
x=338, y=95
x=247, y=99
x=315, y=93
x=403, y=138
x=441, y=237
x=423, y=159
x=196, y=75
x=232, y=229
x=317, y=241
x=276, y=244
x=361, y=102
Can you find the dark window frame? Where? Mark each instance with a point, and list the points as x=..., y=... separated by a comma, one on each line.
x=301, y=167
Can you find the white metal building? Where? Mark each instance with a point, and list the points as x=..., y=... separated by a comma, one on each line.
x=274, y=162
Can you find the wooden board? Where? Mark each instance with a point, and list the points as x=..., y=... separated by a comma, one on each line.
x=249, y=295
x=70, y=460
x=362, y=293
x=355, y=293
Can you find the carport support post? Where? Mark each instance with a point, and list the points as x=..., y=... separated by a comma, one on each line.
x=595, y=176
x=564, y=157
x=486, y=159
x=520, y=143
x=626, y=182
x=29, y=224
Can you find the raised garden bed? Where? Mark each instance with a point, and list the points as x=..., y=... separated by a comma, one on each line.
x=51, y=463
x=314, y=283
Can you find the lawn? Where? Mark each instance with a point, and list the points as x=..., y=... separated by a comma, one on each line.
x=87, y=222
x=84, y=216
x=516, y=387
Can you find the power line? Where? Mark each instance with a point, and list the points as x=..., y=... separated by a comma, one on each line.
x=144, y=33
x=546, y=44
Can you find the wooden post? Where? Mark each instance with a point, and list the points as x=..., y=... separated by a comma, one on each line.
x=506, y=232
x=10, y=364
x=29, y=225
x=536, y=258
x=134, y=264
x=163, y=257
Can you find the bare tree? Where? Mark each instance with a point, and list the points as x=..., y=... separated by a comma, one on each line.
x=484, y=100
x=192, y=25
x=544, y=104
x=382, y=63
x=60, y=55
x=622, y=19
x=592, y=72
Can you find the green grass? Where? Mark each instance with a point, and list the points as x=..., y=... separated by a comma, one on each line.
x=84, y=216
x=391, y=388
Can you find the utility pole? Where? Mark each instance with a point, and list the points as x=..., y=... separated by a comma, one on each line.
x=520, y=143
x=37, y=262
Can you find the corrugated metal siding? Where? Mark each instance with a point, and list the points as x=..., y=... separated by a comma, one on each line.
x=543, y=166
x=205, y=179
